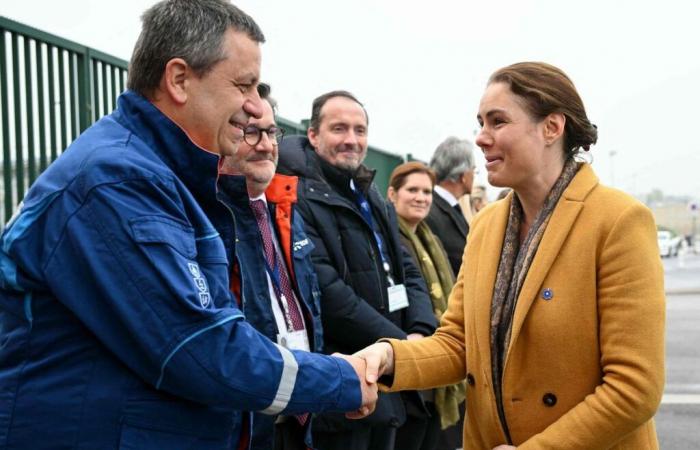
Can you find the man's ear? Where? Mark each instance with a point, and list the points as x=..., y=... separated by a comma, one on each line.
x=554, y=127
x=313, y=137
x=175, y=80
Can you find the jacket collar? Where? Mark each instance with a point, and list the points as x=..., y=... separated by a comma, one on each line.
x=281, y=190
x=195, y=166
x=560, y=224
x=339, y=179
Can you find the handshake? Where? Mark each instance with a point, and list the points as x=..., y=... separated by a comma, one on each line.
x=370, y=363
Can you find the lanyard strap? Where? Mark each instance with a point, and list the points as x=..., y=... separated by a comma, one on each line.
x=366, y=212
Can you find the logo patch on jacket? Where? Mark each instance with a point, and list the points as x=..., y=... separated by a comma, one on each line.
x=201, y=283
x=298, y=245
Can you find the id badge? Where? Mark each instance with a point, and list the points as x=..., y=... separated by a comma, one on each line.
x=294, y=340
x=398, y=299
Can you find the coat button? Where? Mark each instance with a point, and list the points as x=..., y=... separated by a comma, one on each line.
x=549, y=399
x=547, y=294
x=394, y=422
x=311, y=189
x=470, y=379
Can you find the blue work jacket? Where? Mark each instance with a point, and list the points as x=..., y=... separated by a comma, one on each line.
x=119, y=329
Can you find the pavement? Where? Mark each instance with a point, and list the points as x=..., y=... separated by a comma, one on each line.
x=678, y=418
x=682, y=273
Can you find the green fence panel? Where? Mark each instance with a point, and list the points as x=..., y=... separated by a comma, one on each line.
x=51, y=89
x=7, y=201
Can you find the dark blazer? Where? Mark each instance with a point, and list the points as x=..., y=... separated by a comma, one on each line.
x=450, y=226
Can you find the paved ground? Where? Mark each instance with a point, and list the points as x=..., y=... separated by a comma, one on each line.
x=678, y=419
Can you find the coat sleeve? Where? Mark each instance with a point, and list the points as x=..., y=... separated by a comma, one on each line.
x=438, y=360
x=631, y=307
x=342, y=309
x=129, y=266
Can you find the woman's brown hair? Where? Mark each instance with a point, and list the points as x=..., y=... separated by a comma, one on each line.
x=546, y=89
x=401, y=172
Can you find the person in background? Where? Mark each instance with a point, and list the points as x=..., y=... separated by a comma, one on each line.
x=119, y=328
x=503, y=193
x=274, y=275
x=370, y=287
x=411, y=192
x=453, y=164
x=557, y=318
x=478, y=198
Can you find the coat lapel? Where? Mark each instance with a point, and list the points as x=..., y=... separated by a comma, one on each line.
x=560, y=224
x=490, y=252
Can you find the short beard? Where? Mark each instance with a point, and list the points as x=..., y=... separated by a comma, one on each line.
x=350, y=166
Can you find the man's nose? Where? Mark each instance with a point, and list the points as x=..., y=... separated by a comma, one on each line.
x=253, y=105
x=266, y=143
x=351, y=138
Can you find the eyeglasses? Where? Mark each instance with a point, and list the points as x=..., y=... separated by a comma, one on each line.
x=252, y=135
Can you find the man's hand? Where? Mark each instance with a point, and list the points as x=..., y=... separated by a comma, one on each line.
x=414, y=336
x=369, y=390
x=380, y=360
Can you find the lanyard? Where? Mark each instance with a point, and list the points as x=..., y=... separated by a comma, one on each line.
x=366, y=212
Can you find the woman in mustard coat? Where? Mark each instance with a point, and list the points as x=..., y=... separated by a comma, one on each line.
x=557, y=316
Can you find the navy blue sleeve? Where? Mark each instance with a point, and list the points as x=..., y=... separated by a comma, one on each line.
x=130, y=266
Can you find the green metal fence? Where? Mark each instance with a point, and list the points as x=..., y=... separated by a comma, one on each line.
x=51, y=89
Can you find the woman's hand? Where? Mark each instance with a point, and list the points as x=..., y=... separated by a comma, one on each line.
x=504, y=447
x=380, y=360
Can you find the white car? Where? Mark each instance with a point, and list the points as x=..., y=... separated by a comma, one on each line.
x=668, y=243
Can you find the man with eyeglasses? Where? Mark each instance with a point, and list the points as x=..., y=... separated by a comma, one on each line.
x=273, y=273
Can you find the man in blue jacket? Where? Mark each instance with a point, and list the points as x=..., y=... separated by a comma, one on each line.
x=274, y=273
x=119, y=329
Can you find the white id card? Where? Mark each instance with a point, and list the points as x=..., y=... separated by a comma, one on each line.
x=398, y=299
x=294, y=340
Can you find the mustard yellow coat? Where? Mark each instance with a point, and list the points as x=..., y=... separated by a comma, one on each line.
x=585, y=368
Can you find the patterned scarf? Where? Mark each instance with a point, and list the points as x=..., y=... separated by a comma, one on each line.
x=513, y=267
x=439, y=278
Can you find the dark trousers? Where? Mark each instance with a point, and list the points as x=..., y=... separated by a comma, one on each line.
x=451, y=437
x=419, y=433
x=362, y=438
x=289, y=435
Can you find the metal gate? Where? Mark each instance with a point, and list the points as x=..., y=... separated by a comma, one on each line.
x=51, y=89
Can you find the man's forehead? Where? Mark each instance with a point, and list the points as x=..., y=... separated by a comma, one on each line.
x=341, y=109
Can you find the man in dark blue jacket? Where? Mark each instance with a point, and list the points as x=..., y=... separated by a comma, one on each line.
x=119, y=329
x=264, y=204
x=370, y=287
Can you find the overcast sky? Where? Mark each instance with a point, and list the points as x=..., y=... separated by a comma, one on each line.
x=421, y=67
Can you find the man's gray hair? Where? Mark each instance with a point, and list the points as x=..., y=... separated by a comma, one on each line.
x=452, y=158
x=189, y=29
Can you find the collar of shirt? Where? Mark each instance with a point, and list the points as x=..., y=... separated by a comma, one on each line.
x=260, y=197
x=445, y=194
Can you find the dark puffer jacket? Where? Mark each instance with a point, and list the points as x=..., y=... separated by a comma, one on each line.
x=354, y=298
